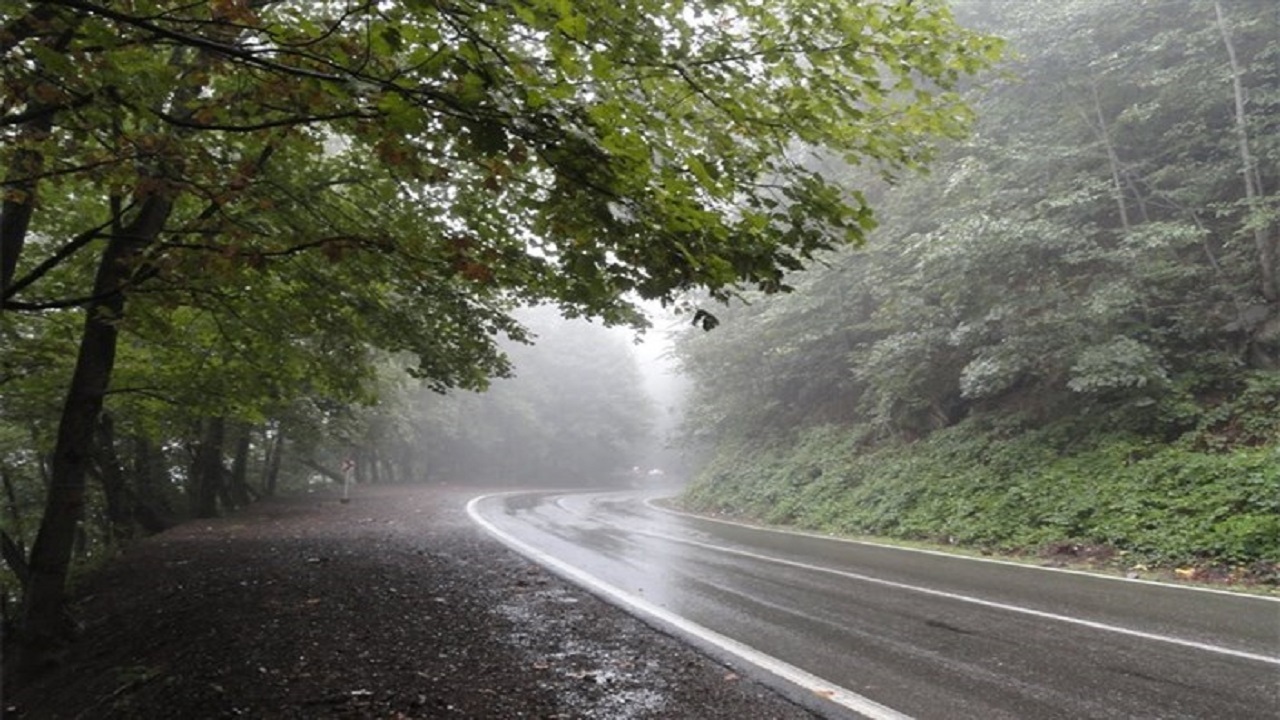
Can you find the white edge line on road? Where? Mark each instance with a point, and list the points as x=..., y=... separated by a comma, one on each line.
x=814, y=684
x=1270, y=659
x=942, y=553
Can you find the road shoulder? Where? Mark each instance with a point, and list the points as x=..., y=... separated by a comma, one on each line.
x=394, y=605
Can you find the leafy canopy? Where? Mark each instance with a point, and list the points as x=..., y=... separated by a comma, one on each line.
x=571, y=151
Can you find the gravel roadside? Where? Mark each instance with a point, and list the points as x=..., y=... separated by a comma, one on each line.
x=392, y=606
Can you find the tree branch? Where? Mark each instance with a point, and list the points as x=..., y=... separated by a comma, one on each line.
x=221, y=48
x=267, y=125
x=138, y=279
x=63, y=253
x=14, y=556
x=40, y=112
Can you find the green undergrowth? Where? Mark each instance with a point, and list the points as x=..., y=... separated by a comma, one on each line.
x=1154, y=502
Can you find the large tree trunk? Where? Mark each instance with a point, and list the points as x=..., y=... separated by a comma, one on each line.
x=44, y=622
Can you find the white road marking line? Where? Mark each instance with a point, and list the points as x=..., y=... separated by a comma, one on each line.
x=1269, y=659
x=814, y=684
x=649, y=502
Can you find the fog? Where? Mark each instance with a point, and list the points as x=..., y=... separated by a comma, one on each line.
x=586, y=406
x=666, y=388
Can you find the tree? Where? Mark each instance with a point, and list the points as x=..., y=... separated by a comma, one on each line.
x=1092, y=247
x=1065, y=334
x=406, y=172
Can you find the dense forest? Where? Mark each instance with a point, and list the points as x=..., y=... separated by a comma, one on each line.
x=1066, y=335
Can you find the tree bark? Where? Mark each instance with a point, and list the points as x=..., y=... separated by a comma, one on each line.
x=43, y=622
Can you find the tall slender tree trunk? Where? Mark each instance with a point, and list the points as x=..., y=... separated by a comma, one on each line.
x=1264, y=244
x=151, y=510
x=13, y=549
x=44, y=621
x=207, y=470
x=111, y=474
x=409, y=474
x=1113, y=159
x=372, y=470
x=43, y=460
x=275, y=452
x=11, y=502
x=362, y=458
x=239, y=486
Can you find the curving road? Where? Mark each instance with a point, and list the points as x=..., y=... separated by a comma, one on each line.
x=890, y=633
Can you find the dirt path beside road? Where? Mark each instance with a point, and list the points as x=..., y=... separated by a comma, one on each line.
x=391, y=606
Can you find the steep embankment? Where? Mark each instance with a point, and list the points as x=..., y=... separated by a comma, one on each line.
x=1138, y=503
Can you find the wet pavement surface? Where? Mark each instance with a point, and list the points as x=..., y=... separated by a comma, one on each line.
x=926, y=635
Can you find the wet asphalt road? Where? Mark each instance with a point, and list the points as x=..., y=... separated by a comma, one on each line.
x=926, y=635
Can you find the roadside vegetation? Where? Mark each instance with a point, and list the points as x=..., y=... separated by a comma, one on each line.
x=1064, y=340
x=1128, y=503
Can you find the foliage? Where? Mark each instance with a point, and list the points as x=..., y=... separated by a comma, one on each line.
x=1090, y=259
x=1156, y=502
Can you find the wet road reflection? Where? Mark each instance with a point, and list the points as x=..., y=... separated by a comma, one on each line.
x=928, y=635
